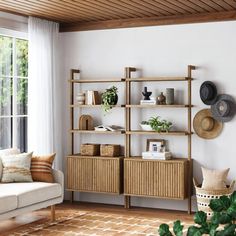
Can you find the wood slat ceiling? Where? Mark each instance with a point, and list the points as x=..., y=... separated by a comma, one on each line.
x=77, y=15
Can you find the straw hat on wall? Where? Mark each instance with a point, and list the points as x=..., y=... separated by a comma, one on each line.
x=205, y=125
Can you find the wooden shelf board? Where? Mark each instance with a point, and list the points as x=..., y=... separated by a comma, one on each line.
x=157, y=106
x=139, y=158
x=151, y=196
x=90, y=191
x=150, y=79
x=97, y=81
x=96, y=132
x=94, y=106
x=143, y=132
x=78, y=155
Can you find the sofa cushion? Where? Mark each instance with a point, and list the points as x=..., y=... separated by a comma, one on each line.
x=16, y=168
x=41, y=168
x=7, y=202
x=31, y=193
x=6, y=152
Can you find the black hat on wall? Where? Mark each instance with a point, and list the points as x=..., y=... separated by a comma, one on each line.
x=224, y=109
x=208, y=93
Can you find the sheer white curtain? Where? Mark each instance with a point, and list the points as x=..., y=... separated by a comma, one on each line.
x=44, y=127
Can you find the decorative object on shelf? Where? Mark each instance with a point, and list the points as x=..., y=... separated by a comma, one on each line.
x=161, y=99
x=110, y=150
x=146, y=94
x=86, y=122
x=159, y=125
x=90, y=149
x=206, y=126
x=208, y=93
x=224, y=109
x=111, y=128
x=145, y=126
x=109, y=98
x=80, y=98
x=155, y=145
x=170, y=96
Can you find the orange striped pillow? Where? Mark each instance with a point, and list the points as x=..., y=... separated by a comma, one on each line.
x=41, y=168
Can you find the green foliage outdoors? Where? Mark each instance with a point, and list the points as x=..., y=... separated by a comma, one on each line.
x=6, y=71
x=222, y=223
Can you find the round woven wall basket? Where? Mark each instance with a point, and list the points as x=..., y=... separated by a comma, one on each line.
x=204, y=196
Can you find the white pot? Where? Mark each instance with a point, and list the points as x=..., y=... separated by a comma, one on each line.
x=146, y=127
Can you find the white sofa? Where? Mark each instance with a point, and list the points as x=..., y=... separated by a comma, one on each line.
x=20, y=198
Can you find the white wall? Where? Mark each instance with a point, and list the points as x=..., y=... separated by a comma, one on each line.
x=160, y=51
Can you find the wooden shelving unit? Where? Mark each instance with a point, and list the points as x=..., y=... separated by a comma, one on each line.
x=132, y=176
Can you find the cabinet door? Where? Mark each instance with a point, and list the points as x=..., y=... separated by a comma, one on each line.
x=163, y=179
x=79, y=174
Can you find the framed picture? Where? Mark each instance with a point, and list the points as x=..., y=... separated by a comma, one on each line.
x=154, y=145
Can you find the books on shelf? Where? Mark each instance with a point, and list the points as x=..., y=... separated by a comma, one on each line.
x=152, y=101
x=157, y=155
x=92, y=97
x=111, y=128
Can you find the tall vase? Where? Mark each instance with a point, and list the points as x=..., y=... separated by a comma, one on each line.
x=170, y=97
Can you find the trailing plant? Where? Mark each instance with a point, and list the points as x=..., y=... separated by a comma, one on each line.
x=109, y=98
x=159, y=125
x=222, y=222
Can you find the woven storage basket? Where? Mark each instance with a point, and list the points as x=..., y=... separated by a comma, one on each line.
x=110, y=150
x=89, y=149
x=204, y=196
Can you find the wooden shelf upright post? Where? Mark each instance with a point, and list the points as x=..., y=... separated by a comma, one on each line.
x=73, y=72
x=128, y=71
x=190, y=68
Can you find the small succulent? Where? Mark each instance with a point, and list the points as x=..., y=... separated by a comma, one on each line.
x=159, y=125
x=109, y=98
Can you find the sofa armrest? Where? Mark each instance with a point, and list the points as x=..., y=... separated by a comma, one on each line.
x=59, y=178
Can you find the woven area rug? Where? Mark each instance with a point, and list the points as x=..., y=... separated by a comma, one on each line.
x=94, y=223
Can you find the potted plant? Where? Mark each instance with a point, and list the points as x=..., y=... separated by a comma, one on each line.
x=222, y=223
x=109, y=98
x=145, y=126
x=159, y=125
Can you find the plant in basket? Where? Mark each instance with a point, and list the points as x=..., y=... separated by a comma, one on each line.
x=222, y=222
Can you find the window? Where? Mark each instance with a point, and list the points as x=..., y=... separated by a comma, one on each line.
x=13, y=92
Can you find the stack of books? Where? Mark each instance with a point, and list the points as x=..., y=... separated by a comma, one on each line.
x=152, y=101
x=157, y=155
x=92, y=97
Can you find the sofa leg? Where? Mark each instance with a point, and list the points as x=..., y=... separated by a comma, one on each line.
x=53, y=215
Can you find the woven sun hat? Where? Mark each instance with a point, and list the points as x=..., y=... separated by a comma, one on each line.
x=205, y=125
x=208, y=93
x=224, y=109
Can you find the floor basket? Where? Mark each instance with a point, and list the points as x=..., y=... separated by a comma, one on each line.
x=204, y=196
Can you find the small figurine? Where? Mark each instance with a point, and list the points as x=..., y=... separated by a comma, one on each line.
x=161, y=99
x=146, y=94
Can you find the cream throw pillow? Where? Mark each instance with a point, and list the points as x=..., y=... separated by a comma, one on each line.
x=214, y=179
x=16, y=168
x=4, y=152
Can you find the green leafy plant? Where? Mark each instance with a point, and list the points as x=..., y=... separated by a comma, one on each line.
x=109, y=98
x=159, y=125
x=222, y=222
x=144, y=122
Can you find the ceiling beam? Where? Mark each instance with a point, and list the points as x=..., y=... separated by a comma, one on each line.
x=150, y=21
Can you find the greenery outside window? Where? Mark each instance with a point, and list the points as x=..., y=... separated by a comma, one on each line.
x=13, y=92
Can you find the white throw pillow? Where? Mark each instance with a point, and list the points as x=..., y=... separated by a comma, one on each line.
x=5, y=152
x=16, y=168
